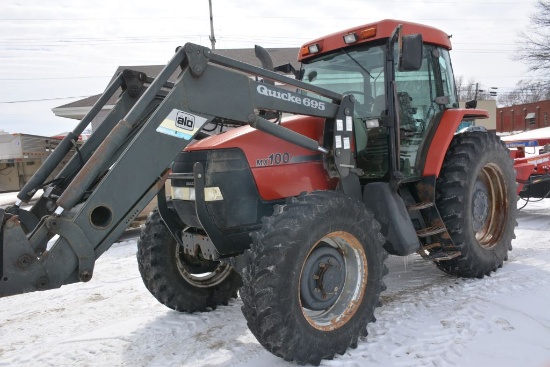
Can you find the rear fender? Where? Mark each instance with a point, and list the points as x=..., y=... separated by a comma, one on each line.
x=444, y=134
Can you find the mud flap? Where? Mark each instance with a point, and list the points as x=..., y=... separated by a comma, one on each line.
x=390, y=211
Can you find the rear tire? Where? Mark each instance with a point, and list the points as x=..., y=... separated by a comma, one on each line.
x=476, y=197
x=314, y=277
x=177, y=281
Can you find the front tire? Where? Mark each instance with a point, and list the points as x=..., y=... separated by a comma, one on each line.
x=476, y=197
x=314, y=277
x=178, y=281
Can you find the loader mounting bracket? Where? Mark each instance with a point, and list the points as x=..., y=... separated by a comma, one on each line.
x=197, y=57
x=78, y=242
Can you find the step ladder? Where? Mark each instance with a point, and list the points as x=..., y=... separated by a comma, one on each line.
x=436, y=241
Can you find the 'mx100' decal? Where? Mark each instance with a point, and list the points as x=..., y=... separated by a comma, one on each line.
x=273, y=159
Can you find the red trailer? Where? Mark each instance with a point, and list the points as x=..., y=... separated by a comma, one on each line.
x=531, y=153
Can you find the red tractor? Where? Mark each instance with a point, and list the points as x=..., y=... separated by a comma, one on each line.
x=298, y=213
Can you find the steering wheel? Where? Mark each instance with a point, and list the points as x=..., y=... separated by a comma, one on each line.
x=362, y=109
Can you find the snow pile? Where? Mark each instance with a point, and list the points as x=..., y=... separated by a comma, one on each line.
x=428, y=318
x=529, y=135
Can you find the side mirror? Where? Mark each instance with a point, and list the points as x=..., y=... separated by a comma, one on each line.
x=289, y=69
x=410, y=52
x=471, y=104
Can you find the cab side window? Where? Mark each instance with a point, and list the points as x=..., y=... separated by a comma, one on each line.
x=417, y=92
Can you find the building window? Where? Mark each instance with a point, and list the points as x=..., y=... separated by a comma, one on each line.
x=546, y=118
x=530, y=118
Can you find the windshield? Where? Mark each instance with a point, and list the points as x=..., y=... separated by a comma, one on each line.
x=359, y=72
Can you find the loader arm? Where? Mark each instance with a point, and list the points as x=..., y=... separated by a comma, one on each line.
x=126, y=161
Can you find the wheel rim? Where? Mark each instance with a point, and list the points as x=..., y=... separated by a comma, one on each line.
x=204, y=278
x=333, y=281
x=489, y=206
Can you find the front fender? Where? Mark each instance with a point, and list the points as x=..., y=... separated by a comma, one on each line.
x=444, y=134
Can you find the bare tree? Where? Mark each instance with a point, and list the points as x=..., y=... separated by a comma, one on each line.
x=465, y=89
x=471, y=89
x=526, y=91
x=534, y=45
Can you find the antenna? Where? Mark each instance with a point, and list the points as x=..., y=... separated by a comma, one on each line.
x=212, y=38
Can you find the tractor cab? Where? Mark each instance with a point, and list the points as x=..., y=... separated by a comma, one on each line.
x=365, y=62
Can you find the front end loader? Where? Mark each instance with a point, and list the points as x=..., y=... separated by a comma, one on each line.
x=127, y=160
x=294, y=214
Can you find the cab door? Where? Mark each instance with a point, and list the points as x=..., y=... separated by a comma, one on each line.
x=422, y=97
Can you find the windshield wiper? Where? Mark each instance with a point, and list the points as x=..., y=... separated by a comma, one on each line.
x=358, y=64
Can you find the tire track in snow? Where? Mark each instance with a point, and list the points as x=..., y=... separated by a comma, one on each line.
x=214, y=338
x=429, y=318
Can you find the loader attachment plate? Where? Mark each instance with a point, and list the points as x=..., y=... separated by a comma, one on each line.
x=21, y=270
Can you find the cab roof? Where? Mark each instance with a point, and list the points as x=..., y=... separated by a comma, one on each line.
x=372, y=32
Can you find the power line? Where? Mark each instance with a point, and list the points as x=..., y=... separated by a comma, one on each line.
x=55, y=78
x=132, y=38
x=180, y=36
x=44, y=99
x=16, y=40
x=280, y=40
x=243, y=17
x=445, y=2
x=165, y=38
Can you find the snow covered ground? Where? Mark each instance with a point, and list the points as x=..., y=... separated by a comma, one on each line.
x=428, y=318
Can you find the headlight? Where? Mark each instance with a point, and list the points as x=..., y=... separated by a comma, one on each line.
x=212, y=194
x=188, y=193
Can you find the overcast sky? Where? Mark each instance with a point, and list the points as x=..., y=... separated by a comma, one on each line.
x=53, y=52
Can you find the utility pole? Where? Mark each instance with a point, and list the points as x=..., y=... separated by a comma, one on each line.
x=212, y=38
